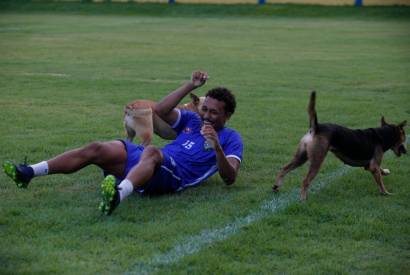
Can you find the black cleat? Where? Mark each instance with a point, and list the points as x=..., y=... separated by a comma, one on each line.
x=21, y=174
x=110, y=195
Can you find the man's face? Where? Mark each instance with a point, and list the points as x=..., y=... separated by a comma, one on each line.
x=213, y=111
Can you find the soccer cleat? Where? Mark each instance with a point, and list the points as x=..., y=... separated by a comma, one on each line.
x=110, y=195
x=21, y=174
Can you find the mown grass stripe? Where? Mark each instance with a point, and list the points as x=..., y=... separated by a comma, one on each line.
x=195, y=243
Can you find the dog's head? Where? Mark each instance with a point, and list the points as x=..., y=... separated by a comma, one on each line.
x=399, y=147
x=196, y=104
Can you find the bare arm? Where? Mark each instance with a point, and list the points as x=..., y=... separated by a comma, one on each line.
x=228, y=168
x=165, y=108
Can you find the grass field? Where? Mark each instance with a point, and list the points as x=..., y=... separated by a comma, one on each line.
x=67, y=70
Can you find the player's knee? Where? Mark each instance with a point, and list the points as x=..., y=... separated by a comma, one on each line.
x=151, y=153
x=93, y=150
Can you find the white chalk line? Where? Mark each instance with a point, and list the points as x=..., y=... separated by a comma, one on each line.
x=157, y=80
x=194, y=244
x=46, y=74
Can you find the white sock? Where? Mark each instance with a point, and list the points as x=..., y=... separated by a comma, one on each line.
x=40, y=169
x=125, y=188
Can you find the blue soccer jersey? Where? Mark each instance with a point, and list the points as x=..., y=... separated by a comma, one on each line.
x=196, y=163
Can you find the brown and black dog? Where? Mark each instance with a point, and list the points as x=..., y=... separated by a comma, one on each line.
x=359, y=148
x=141, y=121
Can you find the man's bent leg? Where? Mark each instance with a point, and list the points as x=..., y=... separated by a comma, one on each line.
x=150, y=159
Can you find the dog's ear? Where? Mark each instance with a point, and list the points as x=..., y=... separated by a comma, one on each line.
x=402, y=124
x=383, y=122
x=195, y=98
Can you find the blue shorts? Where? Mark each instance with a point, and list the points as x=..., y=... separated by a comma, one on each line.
x=166, y=177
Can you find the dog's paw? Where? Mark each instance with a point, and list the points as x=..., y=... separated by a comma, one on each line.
x=385, y=172
x=386, y=193
x=275, y=189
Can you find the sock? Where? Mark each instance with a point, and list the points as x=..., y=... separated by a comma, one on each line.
x=40, y=169
x=125, y=188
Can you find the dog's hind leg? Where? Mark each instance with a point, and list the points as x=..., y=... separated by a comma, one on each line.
x=138, y=123
x=130, y=133
x=317, y=152
x=299, y=159
x=128, y=125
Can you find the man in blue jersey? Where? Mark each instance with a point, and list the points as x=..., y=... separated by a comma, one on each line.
x=203, y=147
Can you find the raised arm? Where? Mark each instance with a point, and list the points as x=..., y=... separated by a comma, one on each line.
x=165, y=108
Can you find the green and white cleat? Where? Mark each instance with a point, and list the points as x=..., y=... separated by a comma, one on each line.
x=21, y=174
x=110, y=195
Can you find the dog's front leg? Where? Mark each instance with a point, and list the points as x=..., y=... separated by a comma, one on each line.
x=377, y=171
x=385, y=172
x=378, y=178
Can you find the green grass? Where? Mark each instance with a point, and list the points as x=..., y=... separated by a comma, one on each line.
x=65, y=77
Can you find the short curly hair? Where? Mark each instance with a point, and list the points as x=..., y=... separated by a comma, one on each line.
x=225, y=95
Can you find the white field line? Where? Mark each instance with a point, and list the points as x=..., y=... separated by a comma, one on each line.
x=46, y=74
x=157, y=80
x=194, y=244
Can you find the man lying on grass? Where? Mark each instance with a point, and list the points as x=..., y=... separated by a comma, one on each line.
x=203, y=146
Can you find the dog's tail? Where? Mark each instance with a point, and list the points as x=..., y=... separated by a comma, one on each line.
x=312, y=111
